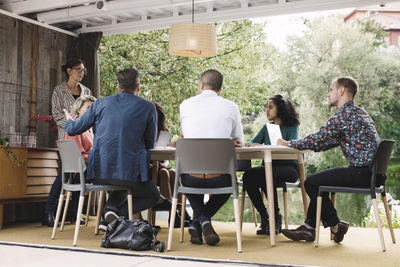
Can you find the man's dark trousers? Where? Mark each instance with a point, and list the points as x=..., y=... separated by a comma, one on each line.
x=339, y=176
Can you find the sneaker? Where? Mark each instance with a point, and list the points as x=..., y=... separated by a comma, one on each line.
x=264, y=228
x=110, y=216
x=103, y=226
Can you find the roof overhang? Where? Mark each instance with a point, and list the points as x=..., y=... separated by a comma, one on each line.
x=122, y=16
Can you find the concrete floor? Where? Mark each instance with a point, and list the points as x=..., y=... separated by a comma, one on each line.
x=21, y=256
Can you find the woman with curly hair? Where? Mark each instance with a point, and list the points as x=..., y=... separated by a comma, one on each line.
x=282, y=112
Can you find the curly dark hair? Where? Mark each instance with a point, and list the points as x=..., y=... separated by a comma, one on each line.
x=286, y=110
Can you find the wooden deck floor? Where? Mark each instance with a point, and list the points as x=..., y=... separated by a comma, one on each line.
x=359, y=248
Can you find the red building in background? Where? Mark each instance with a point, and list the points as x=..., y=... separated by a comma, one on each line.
x=387, y=17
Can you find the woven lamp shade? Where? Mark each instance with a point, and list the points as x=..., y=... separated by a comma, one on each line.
x=193, y=40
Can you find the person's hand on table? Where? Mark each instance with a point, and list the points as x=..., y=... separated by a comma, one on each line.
x=172, y=144
x=252, y=144
x=69, y=116
x=282, y=142
x=237, y=142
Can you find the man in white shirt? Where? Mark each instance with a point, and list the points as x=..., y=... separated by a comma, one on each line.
x=208, y=115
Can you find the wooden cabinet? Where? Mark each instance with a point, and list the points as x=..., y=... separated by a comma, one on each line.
x=12, y=178
x=30, y=183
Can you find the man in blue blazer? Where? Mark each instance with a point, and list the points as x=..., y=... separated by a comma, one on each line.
x=125, y=129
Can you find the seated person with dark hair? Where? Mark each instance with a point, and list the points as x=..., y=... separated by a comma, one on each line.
x=126, y=128
x=354, y=131
x=208, y=115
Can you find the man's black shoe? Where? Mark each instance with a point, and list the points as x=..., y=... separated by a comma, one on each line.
x=278, y=225
x=209, y=234
x=48, y=219
x=177, y=223
x=195, y=233
x=264, y=227
x=300, y=233
x=342, y=230
x=164, y=205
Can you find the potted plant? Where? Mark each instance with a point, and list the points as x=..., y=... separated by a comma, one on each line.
x=13, y=158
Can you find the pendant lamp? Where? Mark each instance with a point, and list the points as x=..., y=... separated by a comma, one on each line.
x=193, y=39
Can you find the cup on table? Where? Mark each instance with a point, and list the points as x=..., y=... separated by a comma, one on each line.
x=31, y=140
x=16, y=139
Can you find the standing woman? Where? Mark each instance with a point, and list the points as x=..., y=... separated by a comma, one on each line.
x=64, y=96
x=282, y=112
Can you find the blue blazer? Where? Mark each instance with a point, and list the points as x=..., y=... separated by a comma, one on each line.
x=125, y=129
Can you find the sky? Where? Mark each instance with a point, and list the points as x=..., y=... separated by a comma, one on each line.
x=280, y=27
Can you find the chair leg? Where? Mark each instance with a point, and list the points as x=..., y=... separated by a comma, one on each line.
x=99, y=211
x=242, y=209
x=60, y=203
x=285, y=209
x=182, y=218
x=253, y=209
x=130, y=206
x=378, y=223
x=237, y=220
x=65, y=210
x=389, y=218
x=171, y=223
x=149, y=215
x=302, y=179
x=318, y=220
x=88, y=207
x=333, y=200
x=78, y=216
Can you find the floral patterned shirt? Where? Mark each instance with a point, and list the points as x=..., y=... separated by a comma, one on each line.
x=352, y=129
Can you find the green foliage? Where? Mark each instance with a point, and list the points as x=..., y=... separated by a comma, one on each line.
x=370, y=221
x=331, y=48
x=393, y=174
x=11, y=156
x=243, y=58
x=375, y=28
x=254, y=70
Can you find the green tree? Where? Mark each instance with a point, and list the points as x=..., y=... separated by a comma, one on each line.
x=243, y=58
x=331, y=48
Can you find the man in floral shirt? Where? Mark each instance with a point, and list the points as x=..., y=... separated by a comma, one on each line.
x=354, y=131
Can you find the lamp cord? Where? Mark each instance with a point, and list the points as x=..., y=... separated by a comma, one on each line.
x=192, y=11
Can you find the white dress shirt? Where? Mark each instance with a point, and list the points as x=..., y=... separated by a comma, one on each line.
x=208, y=115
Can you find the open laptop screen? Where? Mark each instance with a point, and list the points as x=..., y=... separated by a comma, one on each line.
x=274, y=132
x=163, y=139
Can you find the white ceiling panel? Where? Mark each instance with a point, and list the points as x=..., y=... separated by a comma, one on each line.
x=121, y=16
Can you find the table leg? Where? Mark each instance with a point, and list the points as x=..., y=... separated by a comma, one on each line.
x=150, y=212
x=302, y=180
x=270, y=194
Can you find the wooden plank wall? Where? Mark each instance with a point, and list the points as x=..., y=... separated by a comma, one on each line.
x=15, y=75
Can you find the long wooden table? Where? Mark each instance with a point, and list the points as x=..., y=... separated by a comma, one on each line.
x=265, y=152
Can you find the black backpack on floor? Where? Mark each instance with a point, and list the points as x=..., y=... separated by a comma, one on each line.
x=132, y=235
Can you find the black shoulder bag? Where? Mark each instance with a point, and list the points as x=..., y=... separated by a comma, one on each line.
x=132, y=235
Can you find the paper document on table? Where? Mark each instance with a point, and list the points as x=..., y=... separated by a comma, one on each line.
x=163, y=139
x=274, y=132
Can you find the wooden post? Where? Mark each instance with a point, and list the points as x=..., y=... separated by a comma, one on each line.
x=34, y=78
x=1, y=216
